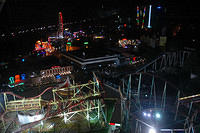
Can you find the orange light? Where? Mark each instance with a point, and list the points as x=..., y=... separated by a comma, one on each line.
x=17, y=78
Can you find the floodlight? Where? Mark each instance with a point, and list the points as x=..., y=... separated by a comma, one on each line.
x=152, y=130
x=158, y=115
x=144, y=113
x=149, y=115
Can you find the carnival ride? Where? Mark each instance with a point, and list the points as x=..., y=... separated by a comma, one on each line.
x=44, y=48
x=70, y=102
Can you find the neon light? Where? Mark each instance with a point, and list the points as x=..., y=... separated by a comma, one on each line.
x=149, y=21
x=69, y=43
x=23, y=76
x=11, y=86
x=97, y=37
x=134, y=58
x=55, y=67
x=111, y=123
x=60, y=25
x=58, y=77
x=23, y=60
x=17, y=78
x=138, y=15
x=11, y=80
x=85, y=43
x=143, y=17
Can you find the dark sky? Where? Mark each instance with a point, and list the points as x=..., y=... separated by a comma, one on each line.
x=33, y=12
x=26, y=12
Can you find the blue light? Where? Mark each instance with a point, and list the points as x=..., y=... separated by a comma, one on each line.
x=23, y=76
x=159, y=7
x=23, y=60
x=58, y=77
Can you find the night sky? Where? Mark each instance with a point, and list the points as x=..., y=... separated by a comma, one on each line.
x=33, y=12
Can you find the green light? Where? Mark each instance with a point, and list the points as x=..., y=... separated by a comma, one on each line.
x=11, y=80
x=69, y=43
x=12, y=86
x=85, y=43
x=21, y=84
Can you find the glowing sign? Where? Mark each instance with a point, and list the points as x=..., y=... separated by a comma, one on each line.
x=23, y=76
x=11, y=80
x=16, y=81
x=17, y=78
x=14, y=85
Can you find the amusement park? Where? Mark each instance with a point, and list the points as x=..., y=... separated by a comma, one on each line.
x=112, y=73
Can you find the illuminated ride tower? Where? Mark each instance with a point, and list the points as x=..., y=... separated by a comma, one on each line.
x=60, y=25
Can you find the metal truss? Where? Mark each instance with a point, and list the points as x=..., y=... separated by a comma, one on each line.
x=191, y=105
x=76, y=100
x=135, y=98
x=168, y=59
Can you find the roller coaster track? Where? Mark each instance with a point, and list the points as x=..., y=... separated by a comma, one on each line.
x=82, y=95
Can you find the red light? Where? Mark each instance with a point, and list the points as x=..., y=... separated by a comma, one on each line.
x=124, y=39
x=125, y=25
x=55, y=67
x=111, y=123
x=134, y=58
